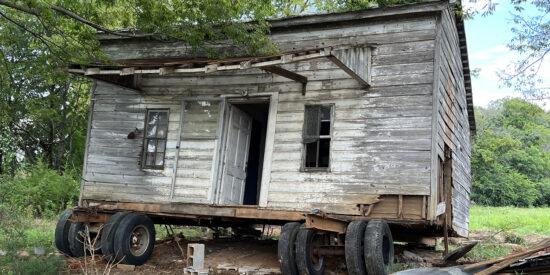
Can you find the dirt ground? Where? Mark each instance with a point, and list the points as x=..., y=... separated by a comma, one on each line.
x=251, y=256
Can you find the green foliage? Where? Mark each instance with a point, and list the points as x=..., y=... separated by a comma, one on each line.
x=40, y=190
x=510, y=155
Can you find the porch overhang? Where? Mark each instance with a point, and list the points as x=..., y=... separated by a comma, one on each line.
x=354, y=60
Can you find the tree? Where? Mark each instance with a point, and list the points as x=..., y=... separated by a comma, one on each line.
x=511, y=154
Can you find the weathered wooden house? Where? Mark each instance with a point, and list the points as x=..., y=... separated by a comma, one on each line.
x=364, y=116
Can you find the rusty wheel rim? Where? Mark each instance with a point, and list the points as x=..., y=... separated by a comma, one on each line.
x=139, y=240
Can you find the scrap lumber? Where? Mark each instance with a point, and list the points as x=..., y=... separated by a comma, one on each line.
x=459, y=253
x=502, y=262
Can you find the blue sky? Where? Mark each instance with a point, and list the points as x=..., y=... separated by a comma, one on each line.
x=487, y=38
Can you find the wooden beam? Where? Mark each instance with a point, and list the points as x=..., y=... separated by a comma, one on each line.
x=199, y=210
x=288, y=74
x=326, y=224
x=88, y=216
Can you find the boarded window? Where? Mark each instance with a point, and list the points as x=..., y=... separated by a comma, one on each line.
x=156, y=130
x=316, y=137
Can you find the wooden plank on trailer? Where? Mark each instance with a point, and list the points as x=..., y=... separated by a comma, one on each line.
x=255, y=213
x=318, y=222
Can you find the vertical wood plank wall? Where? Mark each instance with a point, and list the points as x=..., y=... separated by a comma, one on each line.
x=452, y=122
x=381, y=140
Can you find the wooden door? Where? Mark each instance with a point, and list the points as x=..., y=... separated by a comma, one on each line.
x=236, y=157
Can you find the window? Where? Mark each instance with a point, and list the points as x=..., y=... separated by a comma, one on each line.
x=316, y=137
x=156, y=128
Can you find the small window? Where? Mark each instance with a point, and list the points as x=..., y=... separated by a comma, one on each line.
x=156, y=128
x=316, y=137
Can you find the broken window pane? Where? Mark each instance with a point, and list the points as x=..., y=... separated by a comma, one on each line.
x=311, y=154
x=324, y=151
x=200, y=118
x=316, y=135
x=311, y=124
x=325, y=128
x=155, y=138
x=151, y=145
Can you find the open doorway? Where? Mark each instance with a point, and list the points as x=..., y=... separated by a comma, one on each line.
x=244, y=148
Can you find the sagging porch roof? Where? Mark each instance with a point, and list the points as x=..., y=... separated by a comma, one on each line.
x=354, y=60
x=288, y=23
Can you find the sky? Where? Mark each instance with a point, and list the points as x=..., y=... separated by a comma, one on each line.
x=487, y=38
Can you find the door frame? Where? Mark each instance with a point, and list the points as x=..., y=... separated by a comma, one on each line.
x=268, y=148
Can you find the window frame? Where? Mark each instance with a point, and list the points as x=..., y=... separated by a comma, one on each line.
x=304, y=167
x=146, y=140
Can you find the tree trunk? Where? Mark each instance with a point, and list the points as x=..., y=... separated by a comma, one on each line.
x=61, y=134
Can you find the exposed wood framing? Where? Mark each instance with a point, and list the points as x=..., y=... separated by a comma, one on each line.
x=355, y=61
x=288, y=74
x=318, y=222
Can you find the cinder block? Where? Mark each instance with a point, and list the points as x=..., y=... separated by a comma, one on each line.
x=189, y=270
x=195, y=256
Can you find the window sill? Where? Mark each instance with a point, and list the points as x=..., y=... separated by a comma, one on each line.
x=313, y=170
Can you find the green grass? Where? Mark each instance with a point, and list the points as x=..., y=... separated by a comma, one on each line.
x=519, y=220
x=488, y=251
x=21, y=232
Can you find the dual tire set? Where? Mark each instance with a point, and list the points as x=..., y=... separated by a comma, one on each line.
x=368, y=249
x=127, y=238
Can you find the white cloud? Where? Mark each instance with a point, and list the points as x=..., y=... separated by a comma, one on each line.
x=490, y=53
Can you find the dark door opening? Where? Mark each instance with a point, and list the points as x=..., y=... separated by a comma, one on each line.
x=259, y=113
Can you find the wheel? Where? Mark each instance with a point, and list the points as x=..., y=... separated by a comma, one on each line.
x=286, y=249
x=76, y=239
x=308, y=263
x=354, y=247
x=62, y=232
x=378, y=247
x=108, y=236
x=134, y=239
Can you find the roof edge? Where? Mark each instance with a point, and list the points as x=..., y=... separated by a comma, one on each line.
x=323, y=18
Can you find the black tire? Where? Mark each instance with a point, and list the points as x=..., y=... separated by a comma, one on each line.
x=378, y=247
x=76, y=239
x=134, y=226
x=354, y=246
x=62, y=233
x=305, y=242
x=108, y=236
x=286, y=249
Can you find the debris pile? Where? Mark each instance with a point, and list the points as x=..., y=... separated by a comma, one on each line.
x=527, y=260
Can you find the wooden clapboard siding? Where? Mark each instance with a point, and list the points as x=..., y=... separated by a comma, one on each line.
x=384, y=138
x=452, y=127
x=381, y=139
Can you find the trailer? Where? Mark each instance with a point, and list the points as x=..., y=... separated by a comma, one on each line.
x=355, y=135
